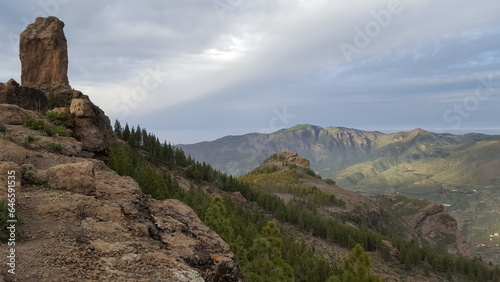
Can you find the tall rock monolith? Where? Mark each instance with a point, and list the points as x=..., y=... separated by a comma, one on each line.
x=43, y=52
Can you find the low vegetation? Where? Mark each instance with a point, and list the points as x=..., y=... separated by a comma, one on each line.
x=55, y=148
x=59, y=118
x=29, y=175
x=46, y=129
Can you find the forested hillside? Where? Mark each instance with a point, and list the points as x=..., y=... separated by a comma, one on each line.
x=266, y=232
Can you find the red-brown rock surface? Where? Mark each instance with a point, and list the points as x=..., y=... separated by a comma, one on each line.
x=44, y=55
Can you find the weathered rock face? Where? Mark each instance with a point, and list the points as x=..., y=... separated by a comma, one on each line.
x=14, y=115
x=91, y=126
x=25, y=97
x=427, y=223
x=76, y=177
x=43, y=52
x=99, y=226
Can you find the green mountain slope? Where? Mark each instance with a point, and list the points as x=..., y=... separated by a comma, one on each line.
x=460, y=171
x=315, y=222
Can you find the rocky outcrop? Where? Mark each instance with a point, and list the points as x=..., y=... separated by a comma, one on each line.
x=426, y=222
x=44, y=55
x=286, y=158
x=91, y=126
x=99, y=226
x=293, y=158
x=237, y=198
x=44, y=60
x=25, y=97
x=14, y=115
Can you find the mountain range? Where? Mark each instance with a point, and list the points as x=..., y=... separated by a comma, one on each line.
x=460, y=171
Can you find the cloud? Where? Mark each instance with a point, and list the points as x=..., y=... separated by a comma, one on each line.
x=228, y=69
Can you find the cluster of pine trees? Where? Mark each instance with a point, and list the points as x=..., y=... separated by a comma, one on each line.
x=150, y=162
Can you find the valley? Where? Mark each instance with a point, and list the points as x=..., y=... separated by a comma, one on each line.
x=459, y=171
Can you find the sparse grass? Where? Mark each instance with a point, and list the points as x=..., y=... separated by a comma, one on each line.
x=31, y=139
x=55, y=148
x=8, y=137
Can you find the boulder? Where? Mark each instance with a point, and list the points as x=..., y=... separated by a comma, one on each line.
x=43, y=52
x=91, y=126
x=75, y=177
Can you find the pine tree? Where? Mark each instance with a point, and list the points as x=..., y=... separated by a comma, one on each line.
x=265, y=260
x=356, y=267
x=217, y=218
x=126, y=133
x=118, y=129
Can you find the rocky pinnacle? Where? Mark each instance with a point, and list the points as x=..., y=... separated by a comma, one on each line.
x=43, y=52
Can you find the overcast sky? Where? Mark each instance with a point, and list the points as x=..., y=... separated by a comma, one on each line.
x=196, y=70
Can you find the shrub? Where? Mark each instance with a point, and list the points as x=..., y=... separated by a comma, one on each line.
x=34, y=124
x=54, y=148
x=31, y=138
x=2, y=128
x=61, y=131
x=58, y=118
x=29, y=175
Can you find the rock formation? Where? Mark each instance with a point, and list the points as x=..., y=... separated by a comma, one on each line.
x=91, y=126
x=287, y=158
x=96, y=225
x=44, y=55
x=426, y=222
x=91, y=224
x=25, y=97
x=44, y=60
